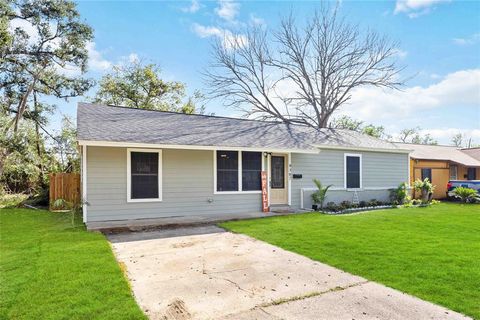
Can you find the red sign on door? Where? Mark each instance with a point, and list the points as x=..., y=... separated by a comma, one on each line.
x=264, y=192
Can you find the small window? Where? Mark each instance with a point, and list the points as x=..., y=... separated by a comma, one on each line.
x=427, y=173
x=353, y=175
x=453, y=172
x=144, y=176
x=227, y=170
x=471, y=174
x=251, y=171
x=278, y=172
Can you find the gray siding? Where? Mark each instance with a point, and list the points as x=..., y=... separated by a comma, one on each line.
x=380, y=171
x=187, y=187
x=187, y=182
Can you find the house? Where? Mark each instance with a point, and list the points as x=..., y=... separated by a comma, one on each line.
x=473, y=152
x=440, y=164
x=140, y=164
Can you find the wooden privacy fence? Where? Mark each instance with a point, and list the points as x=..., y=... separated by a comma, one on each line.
x=65, y=186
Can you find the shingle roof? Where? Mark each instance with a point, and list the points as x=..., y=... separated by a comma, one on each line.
x=473, y=152
x=120, y=124
x=435, y=152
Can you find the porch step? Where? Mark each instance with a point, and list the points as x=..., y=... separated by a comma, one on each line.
x=281, y=208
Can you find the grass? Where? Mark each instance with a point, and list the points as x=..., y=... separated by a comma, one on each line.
x=52, y=270
x=432, y=253
x=8, y=200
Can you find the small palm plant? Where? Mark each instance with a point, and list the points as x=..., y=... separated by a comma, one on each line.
x=466, y=194
x=426, y=188
x=318, y=197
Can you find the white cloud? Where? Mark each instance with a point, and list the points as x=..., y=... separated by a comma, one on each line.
x=256, y=21
x=192, y=8
x=460, y=88
x=206, y=31
x=96, y=61
x=229, y=39
x=445, y=134
x=227, y=9
x=416, y=8
x=473, y=39
x=402, y=54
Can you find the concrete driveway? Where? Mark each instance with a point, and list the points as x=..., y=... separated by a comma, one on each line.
x=206, y=273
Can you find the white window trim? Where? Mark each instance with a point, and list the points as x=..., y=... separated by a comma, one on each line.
x=240, y=190
x=129, y=176
x=358, y=155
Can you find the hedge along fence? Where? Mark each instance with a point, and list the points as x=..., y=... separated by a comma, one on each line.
x=65, y=186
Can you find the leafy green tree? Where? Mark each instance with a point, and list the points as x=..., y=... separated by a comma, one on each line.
x=376, y=131
x=43, y=54
x=140, y=86
x=44, y=38
x=346, y=122
x=412, y=135
x=65, y=147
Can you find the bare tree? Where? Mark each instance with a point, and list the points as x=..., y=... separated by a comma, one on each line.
x=300, y=74
x=457, y=140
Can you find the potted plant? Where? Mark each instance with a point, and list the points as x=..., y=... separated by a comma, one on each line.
x=318, y=197
x=426, y=188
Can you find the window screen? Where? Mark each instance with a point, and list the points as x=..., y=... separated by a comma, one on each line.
x=427, y=173
x=471, y=173
x=251, y=171
x=353, y=172
x=144, y=175
x=227, y=170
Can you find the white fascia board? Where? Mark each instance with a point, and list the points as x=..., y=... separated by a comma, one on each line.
x=323, y=146
x=188, y=147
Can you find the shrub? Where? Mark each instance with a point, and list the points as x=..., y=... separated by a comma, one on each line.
x=466, y=194
x=318, y=197
x=400, y=194
x=426, y=188
x=345, y=205
x=363, y=204
x=373, y=203
x=331, y=206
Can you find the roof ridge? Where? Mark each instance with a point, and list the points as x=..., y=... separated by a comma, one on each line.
x=189, y=114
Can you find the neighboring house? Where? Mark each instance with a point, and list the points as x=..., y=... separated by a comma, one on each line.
x=440, y=164
x=139, y=164
x=473, y=152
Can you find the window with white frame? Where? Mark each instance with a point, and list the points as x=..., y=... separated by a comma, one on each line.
x=238, y=171
x=144, y=175
x=353, y=171
x=453, y=172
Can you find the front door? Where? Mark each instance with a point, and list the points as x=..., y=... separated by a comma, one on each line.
x=279, y=179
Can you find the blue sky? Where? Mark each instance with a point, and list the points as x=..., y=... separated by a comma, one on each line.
x=439, y=45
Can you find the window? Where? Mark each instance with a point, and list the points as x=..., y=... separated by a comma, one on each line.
x=471, y=174
x=238, y=171
x=353, y=171
x=278, y=172
x=144, y=175
x=227, y=170
x=453, y=172
x=251, y=171
x=427, y=173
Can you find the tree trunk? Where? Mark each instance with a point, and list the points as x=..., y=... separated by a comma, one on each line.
x=37, y=142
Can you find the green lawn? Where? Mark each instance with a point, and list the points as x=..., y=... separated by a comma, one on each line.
x=432, y=253
x=52, y=270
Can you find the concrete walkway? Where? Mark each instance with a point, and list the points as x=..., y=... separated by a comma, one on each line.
x=206, y=273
